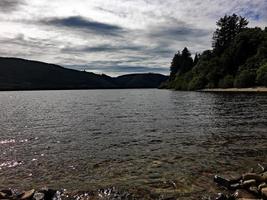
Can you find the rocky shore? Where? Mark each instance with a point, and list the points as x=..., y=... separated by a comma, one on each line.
x=252, y=90
x=248, y=186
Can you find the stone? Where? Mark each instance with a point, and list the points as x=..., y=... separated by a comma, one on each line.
x=264, y=192
x=253, y=176
x=3, y=195
x=249, y=183
x=49, y=193
x=7, y=192
x=221, y=196
x=38, y=196
x=222, y=181
x=243, y=194
x=262, y=185
x=26, y=195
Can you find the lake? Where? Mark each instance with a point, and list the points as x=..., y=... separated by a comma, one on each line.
x=162, y=142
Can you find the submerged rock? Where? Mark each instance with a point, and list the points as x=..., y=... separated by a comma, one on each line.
x=250, y=186
x=26, y=195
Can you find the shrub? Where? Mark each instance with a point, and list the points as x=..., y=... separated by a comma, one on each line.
x=226, y=82
x=246, y=78
x=262, y=75
x=198, y=82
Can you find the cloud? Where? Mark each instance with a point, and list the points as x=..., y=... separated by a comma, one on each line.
x=115, y=36
x=81, y=23
x=101, y=48
x=10, y=5
x=178, y=31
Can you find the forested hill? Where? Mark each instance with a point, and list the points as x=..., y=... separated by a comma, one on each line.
x=20, y=74
x=238, y=59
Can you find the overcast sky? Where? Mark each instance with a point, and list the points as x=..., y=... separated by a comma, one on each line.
x=115, y=36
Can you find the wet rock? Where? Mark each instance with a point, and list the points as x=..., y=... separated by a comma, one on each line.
x=48, y=193
x=253, y=176
x=262, y=185
x=249, y=183
x=243, y=194
x=2, y=195
x=221, y=196
x=264, y=192
x=26, y=195
x=5, y=194
x=38, y=196
x=222, y=181
x=235, y=186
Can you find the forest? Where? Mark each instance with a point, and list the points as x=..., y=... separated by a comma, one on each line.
x=238, y=58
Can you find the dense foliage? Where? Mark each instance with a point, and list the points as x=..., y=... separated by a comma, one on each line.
x=238, y=59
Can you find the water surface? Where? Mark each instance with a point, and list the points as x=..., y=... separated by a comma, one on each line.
x=166, y=142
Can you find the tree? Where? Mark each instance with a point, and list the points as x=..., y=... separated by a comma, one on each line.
x=262, y=75
x=181, y=63
x=196, y=59
x=228, y=28
x=175, y=64
x=186, y=61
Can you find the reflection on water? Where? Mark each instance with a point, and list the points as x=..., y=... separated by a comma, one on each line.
x=169, y=143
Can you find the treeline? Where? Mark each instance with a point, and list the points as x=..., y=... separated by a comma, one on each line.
x=238, y=59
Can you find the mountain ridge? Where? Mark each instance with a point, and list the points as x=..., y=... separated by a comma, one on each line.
x=23, y=74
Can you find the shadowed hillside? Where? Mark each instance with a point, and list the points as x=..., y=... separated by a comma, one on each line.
x=20, y=74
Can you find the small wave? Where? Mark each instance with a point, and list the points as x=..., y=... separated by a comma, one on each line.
x=7, y=141
x=10, y=164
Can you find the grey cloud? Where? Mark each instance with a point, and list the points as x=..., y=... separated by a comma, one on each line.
x=10, y=5
x=101, y=48
x=177, y=30
x=78, y=22
x=122, y=68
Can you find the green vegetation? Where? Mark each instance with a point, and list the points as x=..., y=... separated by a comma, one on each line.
x=238, y=59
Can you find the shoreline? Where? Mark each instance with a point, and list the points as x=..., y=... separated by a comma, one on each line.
x=254, y=90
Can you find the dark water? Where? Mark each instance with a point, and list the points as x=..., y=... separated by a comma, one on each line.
x=165, y=142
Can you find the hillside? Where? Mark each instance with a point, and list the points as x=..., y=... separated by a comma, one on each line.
x=238, y=59
x=20, y=74
x=140, y=80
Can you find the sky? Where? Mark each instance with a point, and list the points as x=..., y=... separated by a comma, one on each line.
x=115, y=37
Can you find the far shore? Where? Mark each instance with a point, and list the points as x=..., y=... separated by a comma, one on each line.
x=256, y=89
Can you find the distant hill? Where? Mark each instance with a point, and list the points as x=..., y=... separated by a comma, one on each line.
x=20, y=74
x=140, y=80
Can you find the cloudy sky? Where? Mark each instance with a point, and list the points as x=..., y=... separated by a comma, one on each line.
x=115, y=36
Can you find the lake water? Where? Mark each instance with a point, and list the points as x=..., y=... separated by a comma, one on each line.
x=161, y=142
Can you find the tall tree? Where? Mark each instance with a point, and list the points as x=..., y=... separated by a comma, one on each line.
x=181, y=63
x=175, y=65
x=196, y=59
x=228, y=28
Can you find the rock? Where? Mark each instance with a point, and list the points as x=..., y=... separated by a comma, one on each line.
x=222, y=181
x=2, y=195
x=264, y=192
x=253, y=176
x=235, y=186
x=243, y=194
x=38, y=196
x=221, y=196
x=26, y=195
x=49, y=193
x=262, y=185
x=248, y=183
x=6, y=193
